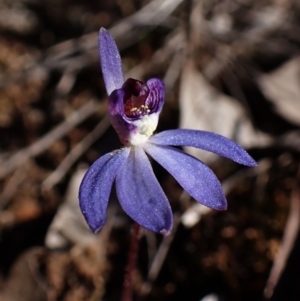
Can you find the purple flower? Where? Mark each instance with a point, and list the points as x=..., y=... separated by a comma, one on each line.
x=134, y=109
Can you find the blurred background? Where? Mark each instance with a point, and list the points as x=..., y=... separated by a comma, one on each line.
x=230, y=66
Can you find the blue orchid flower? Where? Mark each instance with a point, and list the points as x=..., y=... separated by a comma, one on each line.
x=134, y=108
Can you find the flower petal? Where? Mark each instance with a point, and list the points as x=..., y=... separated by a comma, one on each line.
x=140, y=194
x=117, y=116
x=111, y=63
x=204, y=140
x=156, y=97
x=193, y=175
x=96, y=186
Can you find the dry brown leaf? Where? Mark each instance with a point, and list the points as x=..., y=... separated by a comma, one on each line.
x=282, y=88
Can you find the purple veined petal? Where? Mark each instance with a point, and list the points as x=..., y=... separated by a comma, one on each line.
x=140, y=194
x=204, y=140
x=122, y=125
x=156, y=97
x=116, y=112
x=193, y=175
x=115, y=103
x=96, y=186
x=111, y=63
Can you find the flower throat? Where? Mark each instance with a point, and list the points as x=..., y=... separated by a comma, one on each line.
x=136, y=93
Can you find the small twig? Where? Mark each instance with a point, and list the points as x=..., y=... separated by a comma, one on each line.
x=64, y=87
x=236, y=90
x=160, y=257
x=11, y=186
x=46, y=141
x=289, y=236
x=75, y=153
x=231, y=182
x=174, y=69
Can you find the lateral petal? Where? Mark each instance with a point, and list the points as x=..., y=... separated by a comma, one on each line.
x=140, y=194
x=96, y=186
x=204, y=140
x=193, y=175
x=111, y=63
x=156, y=97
